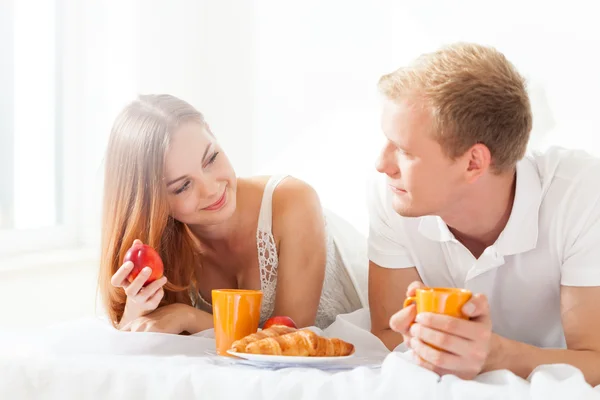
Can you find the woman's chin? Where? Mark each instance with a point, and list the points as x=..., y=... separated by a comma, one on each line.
x=215, y=217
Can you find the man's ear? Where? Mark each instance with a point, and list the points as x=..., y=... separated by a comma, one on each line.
x=479, y=160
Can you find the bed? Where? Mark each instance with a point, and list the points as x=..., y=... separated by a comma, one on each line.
x=88, y=359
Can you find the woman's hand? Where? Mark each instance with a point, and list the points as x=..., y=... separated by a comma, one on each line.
x=140, y=300
x=173, y=318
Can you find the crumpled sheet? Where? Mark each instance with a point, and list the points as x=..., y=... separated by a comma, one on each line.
x=88, y=359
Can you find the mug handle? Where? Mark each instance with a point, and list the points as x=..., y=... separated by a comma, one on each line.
x=409, y=300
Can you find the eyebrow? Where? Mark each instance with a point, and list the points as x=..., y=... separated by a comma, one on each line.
x=184, y=176
x=396, y=143
x=403, y=148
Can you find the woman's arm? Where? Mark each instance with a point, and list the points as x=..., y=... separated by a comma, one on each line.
x=173, y=318
x=299, y=229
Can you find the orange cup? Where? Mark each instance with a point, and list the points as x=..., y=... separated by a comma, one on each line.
x=236, y=314
x=447, y=301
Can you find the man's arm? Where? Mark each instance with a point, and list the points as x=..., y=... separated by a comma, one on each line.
x=580, y=308
x=579, y=297
x=387, y=289
x=391, y=269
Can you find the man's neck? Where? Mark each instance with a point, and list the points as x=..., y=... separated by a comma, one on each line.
x=481, y=215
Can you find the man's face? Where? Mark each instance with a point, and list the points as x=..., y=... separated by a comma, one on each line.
x=423, y=180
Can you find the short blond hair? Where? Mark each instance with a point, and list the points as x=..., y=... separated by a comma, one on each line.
x=475, y=95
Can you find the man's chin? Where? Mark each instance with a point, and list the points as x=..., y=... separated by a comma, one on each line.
x=405, y=210
x=407, y=213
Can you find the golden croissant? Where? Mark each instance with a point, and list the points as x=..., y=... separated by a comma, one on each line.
x=276, y=330
x=301, y=343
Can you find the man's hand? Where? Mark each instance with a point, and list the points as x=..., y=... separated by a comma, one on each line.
x=464, y=344
x=403, y=319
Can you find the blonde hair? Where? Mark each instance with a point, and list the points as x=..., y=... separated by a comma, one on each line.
x=475, y=96
x=135, y=200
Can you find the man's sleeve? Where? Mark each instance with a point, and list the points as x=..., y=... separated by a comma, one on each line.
x=581, y=261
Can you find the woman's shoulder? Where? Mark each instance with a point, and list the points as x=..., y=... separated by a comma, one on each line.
x=288, y=188
x=296, y=202
x=291, y=196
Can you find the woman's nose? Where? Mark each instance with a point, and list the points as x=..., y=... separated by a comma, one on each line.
x=208, y=188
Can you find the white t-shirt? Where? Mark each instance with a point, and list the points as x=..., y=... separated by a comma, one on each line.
x=552, y=238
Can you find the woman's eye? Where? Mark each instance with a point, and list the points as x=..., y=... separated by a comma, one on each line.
x=213, y=158
x=183, y=188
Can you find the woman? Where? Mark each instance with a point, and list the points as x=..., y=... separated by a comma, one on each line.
x=169, y=184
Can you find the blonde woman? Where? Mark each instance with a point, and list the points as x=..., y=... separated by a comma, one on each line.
x=169, y=184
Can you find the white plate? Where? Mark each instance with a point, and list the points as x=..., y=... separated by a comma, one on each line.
x=264, y=358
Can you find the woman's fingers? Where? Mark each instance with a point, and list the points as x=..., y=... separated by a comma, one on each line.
x=151, y=289
x=154, y=300
x=135, y=286
x=119, y=279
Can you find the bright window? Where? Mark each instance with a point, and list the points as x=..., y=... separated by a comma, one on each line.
x=33, y=214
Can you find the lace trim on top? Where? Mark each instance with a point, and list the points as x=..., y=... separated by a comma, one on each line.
x=267, y=263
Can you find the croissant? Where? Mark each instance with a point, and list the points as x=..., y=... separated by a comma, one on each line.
x=301, y=343
x=276, y=330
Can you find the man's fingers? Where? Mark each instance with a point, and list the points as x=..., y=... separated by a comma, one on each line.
x=400, y=322
x=411, y=290
x=449, y=343
x=437, y=358
x=472, y=330
x=477, y=306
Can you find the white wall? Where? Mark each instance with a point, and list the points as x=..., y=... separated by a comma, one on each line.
x=201, y=51
x=290, y=87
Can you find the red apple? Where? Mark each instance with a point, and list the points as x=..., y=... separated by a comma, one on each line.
x=279, y=320
x=142, y=255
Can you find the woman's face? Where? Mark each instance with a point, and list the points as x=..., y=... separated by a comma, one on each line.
x=199, y=179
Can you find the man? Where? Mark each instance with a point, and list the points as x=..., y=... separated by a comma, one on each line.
x=457, y=204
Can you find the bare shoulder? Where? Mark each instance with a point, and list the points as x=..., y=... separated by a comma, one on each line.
x=255, y=183
x=297, y=210
x=292, y=196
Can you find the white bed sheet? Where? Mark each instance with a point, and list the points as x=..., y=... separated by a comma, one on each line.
x=88, y=359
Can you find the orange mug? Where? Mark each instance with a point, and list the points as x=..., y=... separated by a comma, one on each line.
x=236, y=314
x=447, y=301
